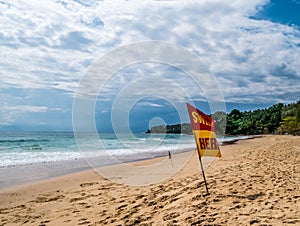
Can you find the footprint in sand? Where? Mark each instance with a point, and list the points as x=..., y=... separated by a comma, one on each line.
x=83, y=185
x=47, y=198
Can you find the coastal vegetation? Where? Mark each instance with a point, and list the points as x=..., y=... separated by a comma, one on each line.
x=277, y=119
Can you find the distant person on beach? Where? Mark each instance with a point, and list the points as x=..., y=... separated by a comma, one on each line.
x=170, y=157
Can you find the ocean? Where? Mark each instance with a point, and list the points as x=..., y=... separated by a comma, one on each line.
x=27, y=156
x=25, y=148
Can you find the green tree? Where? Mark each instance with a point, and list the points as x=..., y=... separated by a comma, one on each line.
x=290, y=125
x=220, y=119
x=277, y=118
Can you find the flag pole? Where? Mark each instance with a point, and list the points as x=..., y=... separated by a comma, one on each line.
x=202, y=169
x=203, y=175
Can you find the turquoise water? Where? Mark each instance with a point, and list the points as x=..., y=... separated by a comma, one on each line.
x=20, y=148
x=27, y=148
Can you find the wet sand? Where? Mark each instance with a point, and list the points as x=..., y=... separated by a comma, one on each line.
x=256, y=182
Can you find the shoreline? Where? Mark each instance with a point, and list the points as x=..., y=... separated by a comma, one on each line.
x=77, y=150
x=26, y=175
x=255, y=182
x=18, y=175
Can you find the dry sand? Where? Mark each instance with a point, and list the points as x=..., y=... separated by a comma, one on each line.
x=256, y=182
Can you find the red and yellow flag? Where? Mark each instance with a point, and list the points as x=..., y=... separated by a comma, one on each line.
x=204, y=132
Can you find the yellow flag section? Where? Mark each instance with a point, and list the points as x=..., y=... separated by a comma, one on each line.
x=204, y=132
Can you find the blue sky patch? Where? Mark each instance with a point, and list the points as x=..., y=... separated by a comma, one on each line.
x=75, y=40
x=281, y=11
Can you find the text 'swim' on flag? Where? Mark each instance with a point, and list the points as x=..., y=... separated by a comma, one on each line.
x=204, y=132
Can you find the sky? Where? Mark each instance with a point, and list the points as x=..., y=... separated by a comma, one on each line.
x=251, y=48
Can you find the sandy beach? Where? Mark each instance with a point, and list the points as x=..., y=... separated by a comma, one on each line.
x=256, y=182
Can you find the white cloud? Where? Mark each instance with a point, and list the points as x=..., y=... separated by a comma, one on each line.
x=148, y=104
x=25, y=108
x=234, y=46
x=8, y=114
x=50, y=44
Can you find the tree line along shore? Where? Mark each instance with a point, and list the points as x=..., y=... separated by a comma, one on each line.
x=277, y=119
